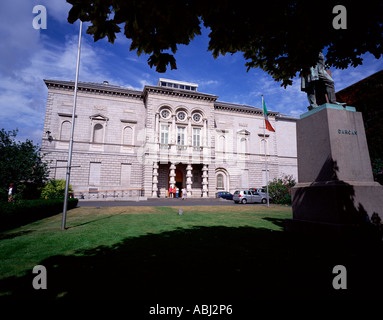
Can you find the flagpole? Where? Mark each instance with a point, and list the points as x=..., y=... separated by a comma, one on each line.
x=69, y=163
x=264, y=139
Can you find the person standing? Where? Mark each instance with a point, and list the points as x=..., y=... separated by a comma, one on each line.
x=170, y=192
x=11, y=192
x=183, y=193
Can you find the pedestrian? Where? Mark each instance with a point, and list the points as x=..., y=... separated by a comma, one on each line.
x=11, y=192
x=170, y=192
x=174, y=192
x=177, y=192
x=183, y=193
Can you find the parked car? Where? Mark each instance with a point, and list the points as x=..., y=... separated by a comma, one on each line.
x=261, y=191
x=224, y=195
x=248, y=196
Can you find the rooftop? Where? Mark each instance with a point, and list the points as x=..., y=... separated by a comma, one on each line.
x=167, y=86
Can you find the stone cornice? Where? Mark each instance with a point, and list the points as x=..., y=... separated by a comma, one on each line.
x=96, y=88
x=117, y=91
x=240, y=108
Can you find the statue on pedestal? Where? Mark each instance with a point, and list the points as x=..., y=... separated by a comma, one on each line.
x=318, y=82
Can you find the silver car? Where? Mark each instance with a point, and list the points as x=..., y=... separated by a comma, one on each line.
x=248, y=196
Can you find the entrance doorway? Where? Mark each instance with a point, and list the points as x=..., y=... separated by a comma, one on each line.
x=179, y=181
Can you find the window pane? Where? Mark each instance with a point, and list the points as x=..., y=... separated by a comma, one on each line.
x=181, y=135
x=220, y=181
x=164, y=134
x=196, y=137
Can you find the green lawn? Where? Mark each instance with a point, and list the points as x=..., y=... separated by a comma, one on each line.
x=221, y=252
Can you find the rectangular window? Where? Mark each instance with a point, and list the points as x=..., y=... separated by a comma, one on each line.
x=164, y=134
x=181, y=136
x=94, y=173
x=196, y=137
x=245, y=179
x=61, y=170
x=126, y=170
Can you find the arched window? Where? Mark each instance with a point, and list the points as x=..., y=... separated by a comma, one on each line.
x=98, y=133
x=243, y=145
x=264, y=147
x=222, y=180
x=220, y=184
x=128, y=136
x=221, y=143
x=65, y=130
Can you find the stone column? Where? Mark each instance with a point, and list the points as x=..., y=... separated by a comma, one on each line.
x=205, y=182
x=173, y=131
x=156, y=128
x=189, y=176
x=155, y=180
x=172, y=175
x=189, y=133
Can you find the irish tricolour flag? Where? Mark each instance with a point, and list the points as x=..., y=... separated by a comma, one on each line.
x=266, y=114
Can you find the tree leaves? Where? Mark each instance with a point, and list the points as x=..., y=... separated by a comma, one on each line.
x=281, y=37
x=20, y=162
x=161, y=60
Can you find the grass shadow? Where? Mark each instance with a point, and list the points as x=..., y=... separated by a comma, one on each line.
x=276, y=221
x=94, y=220
x=223, y=263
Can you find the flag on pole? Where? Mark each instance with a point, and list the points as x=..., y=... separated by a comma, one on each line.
x=266, y=114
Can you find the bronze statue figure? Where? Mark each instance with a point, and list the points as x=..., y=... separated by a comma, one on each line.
x=313, y=81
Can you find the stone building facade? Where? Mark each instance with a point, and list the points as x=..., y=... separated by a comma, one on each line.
x=131, y=143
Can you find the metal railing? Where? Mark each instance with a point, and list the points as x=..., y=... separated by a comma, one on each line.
x=121, y=194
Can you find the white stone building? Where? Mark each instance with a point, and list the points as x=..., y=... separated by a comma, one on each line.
x=130, y=143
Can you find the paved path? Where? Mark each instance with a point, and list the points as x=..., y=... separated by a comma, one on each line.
x=161, y=202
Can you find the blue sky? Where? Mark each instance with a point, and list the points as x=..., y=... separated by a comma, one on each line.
x=28, y=56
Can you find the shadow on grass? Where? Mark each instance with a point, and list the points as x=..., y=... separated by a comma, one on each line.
x=277, y=221
x=75, y=225
x=208, y=263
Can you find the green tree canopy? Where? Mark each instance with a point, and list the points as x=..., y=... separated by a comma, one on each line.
x=20, y=162
x=282, y=37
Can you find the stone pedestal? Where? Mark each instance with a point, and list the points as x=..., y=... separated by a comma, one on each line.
x=336, y=190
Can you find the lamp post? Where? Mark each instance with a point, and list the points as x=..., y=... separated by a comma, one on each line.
x=69, y=163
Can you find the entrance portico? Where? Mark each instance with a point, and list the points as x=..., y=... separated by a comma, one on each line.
x=193, y=177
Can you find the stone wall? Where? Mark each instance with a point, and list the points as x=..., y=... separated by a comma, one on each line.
x=116, y=139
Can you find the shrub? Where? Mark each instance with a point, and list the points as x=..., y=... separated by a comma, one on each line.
x=280, y=189
x=54, y=189
x=18, y=213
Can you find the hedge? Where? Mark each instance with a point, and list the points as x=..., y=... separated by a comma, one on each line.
x=18, y=213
